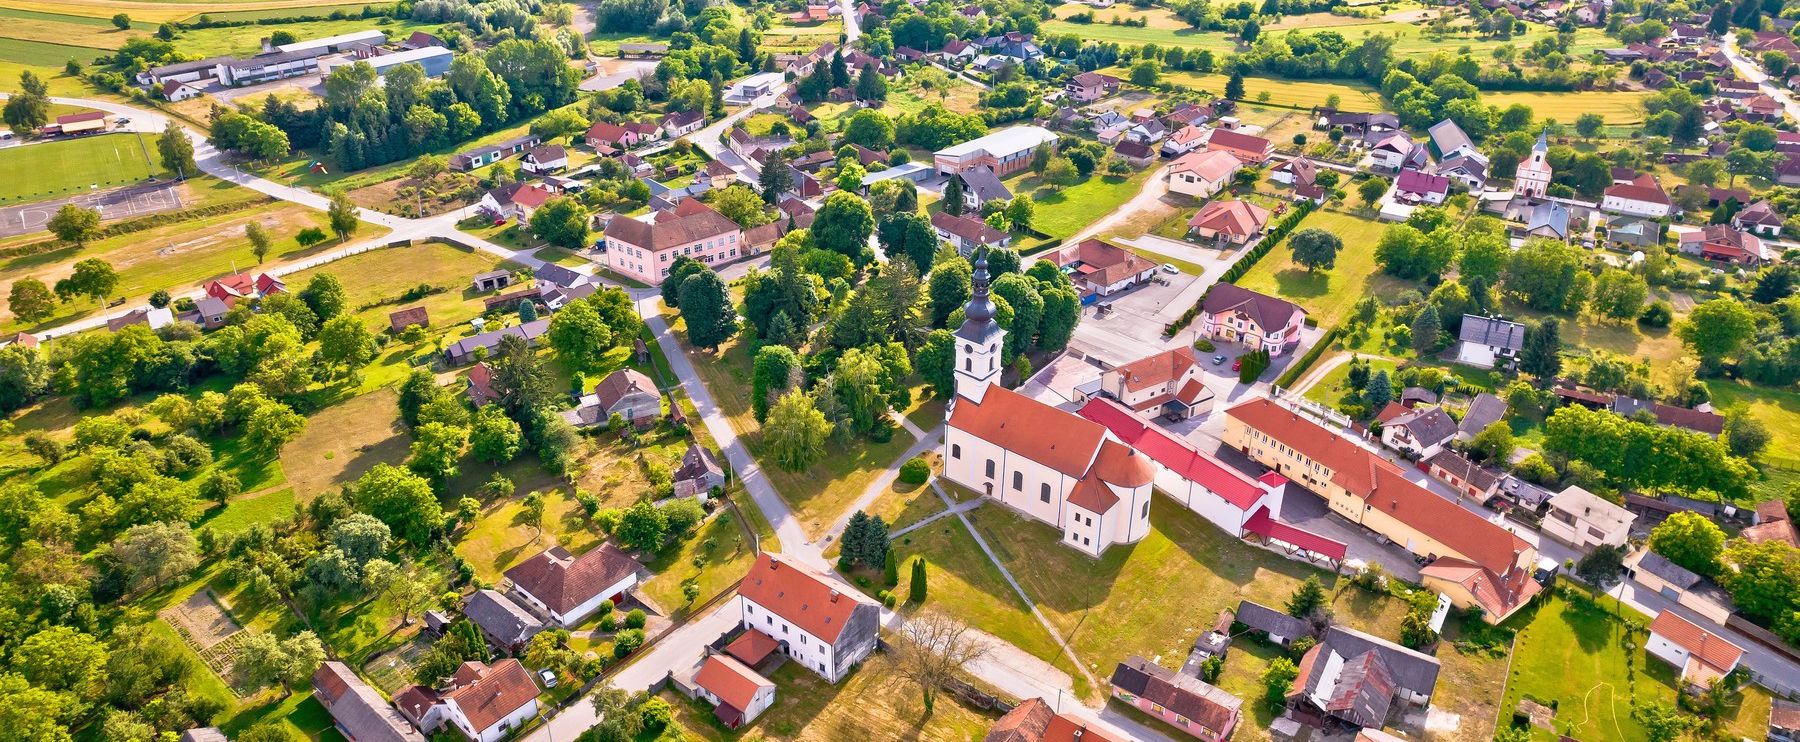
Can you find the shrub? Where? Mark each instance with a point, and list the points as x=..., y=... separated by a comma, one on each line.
x=1205, y=345
x=915, y=471
x=635, y=619
x=627, y=642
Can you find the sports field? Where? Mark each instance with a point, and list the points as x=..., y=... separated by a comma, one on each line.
x=32, y=172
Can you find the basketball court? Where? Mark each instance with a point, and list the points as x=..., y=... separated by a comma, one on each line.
x=118, y=203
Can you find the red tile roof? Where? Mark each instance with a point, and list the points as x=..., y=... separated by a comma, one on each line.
x=564, y=582
x=1174, y=453
x=1156, y=370
x=817, y=604
x=1702, y=645
x=731, y=681
x=1383, y=485
x=753, y=647
x=488, y=693
x=1236, y=218
x=1029, y=428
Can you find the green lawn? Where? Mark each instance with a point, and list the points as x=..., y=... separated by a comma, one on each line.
x=873, y=703
x=1065, y=212
x=1778, y=409
x=209, y=42
x=311, y=10
x=1119, y=605
x=1331, y=389
x=1590, y=666
x=41, y=171
x=1352, y=94
x=1621, y=107
x=1328, y=295
x=240, y=515
x=44, y=54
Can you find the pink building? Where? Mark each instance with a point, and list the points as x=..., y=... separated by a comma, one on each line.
x=1183, y=701
x=644, y=249
x=1255, y=320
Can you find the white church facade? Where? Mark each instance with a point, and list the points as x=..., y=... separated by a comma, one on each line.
x=1090, y=474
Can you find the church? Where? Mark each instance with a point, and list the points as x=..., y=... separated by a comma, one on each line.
x=1091, y=473
x=1050, y=464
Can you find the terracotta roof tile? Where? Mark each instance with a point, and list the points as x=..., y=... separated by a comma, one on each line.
x=1029, y=428
x=731, y=681
x=1703, y=645
x=564, y=582
x=815, y=603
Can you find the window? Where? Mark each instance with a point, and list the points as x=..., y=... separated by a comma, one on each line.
x=1146, y=511
x=1018, y=480
x=968, y=364
x=956, y=451
x=990, y=468
x=1044, y=493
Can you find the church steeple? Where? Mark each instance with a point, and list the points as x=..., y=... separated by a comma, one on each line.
x=979, y=339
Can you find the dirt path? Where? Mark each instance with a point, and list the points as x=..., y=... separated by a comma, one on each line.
x=1319, y=371
x=1148, y=198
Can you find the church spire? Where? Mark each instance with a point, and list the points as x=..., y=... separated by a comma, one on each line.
x=980, y=309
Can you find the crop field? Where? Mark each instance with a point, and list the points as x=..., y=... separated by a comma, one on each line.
x=45, y=54
x=1352, y=95
x=67, y=30
x=43, y=170
x=153, y=11
x=290, y=11
x=1165, y=29
x=211, y=42
x=1622, y=107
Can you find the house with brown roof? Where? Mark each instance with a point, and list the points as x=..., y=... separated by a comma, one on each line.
x=1469, y=559
x=1701, y=656
x=825, y=625
x=699, y=472
x=627, y=392
x=569, y=588
x=1251, y=149
x=401, y=319
x=1183, y=701
x=486, y=702
x=245, y=286
x=1360, y=680
x=643, y=249
x=547, y=158
x=357, y=710
x=1643, y=196
x=1772, y=524
x=1148, y=384
x=967, y=233
x=1464, y=475
x=1759, y=218
x=738, y=694
x=1088, y=87
x=513, y=201
x=1202, y=174
x=1229, y=222
x=612, y=135
x=1725, y=243
x=1098, y=267
x=1419, y=432
x=1255, y=320
x=480, y=389
x=1034, y=721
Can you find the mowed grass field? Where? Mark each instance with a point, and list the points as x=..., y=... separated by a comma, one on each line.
x=1164, y=29
x=1329, y=295
x=212, y=42
x=39, y=171
x=1352, y=95
x=154, y=11
x=61, y=29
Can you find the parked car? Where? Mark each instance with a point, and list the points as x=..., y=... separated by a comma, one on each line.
x=1218, y=360
x=549, y=677
x=1170, y=268
x=1237, y=364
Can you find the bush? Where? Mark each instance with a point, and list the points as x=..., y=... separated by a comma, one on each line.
x=1205, y=345
x=635, y=619
x=627, y=642
x=915, y=471
x=609, y=622
x=655, y=715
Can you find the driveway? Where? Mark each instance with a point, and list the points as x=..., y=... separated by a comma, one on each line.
x=614, y=72
x=314, y=82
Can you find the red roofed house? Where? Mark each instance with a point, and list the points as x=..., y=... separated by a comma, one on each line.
x=738, y=694
x=358, y=711
x=1229, y=222
x=1034, y=721
x=821, y=623
x=612, y=135
x=1229, y=312
x=484, y=702
x=1700, y=655
x=1091, y=86
x=569, y=588
x=1254, y=150
x=1643, y=196
x=513, y=201
x=1148, y=384
x=481, y=385
x=242, y=286
x=644, y=250
x=1725, y=243
x=1469, y=559
x=1416, y=187
x=1100, y=268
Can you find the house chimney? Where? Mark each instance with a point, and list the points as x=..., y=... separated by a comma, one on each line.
x=834, y=595
x=774, y=562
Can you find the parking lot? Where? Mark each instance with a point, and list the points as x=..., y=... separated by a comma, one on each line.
x=118, y=203
x=1129, y=330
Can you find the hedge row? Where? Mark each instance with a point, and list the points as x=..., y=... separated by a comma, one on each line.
x=137, y=225
x=368, y=11
x=1243, y=265
x=1292, y=375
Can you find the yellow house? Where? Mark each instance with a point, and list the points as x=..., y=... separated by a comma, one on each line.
x=1470, y=559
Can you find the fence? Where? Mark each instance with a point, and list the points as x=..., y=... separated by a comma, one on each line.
x=1305, y=362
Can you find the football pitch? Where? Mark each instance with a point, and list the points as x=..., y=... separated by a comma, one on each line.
x=32, y=172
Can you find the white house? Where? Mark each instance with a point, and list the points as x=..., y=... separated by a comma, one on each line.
x=570, y=588
x=486, y=702
x=176, y=90
x=1421, y=432
x=548, y=158
x=1184, y=140
x=1390, y=153
x=1584, y=520
x=738, y=693
x=753, y=87
x=820, y=623
x=1487, y=341
x=1202, y=174
x=1699, y=655
x=1643, y=197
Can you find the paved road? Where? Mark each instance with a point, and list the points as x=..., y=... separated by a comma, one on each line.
x=1753, y=72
